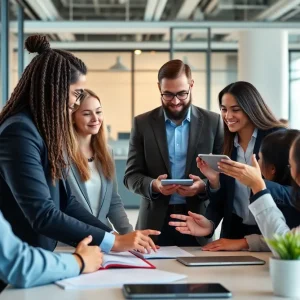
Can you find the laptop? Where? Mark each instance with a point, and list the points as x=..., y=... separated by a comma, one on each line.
x=220, y=260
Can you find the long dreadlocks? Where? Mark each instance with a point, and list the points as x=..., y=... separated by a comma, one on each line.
x=44, y=90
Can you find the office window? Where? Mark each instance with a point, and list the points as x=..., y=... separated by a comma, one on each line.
x=223, y=72
x=294, y=89
x=109, y=76
x=147, y=95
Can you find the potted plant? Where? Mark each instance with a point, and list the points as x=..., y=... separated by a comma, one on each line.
x=285, y=269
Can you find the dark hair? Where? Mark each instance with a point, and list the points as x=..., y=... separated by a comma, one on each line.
x=275, y=149
x=253, y=105
x=44, y=90
x=296, y=157
x=173, y=69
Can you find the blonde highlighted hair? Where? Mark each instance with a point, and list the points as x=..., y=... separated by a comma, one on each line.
x=99, y=146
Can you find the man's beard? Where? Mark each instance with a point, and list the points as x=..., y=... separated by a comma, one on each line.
x=178, y=115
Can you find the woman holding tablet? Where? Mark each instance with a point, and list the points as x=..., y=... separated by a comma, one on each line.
x=92, y=176
x=247, y=120
x=263, y=207
x=274, y=167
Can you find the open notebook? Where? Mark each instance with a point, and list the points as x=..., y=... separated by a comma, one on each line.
x=124, y=260
x=164, y=252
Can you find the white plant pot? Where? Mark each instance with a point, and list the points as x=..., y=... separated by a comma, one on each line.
x=285, y=275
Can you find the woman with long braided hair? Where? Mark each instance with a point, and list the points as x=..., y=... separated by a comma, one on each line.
x=36, y=148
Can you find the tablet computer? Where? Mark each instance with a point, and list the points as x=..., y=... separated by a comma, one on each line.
x=171, y=291
x=213, y=159
x=220, y=260
x=177, y=181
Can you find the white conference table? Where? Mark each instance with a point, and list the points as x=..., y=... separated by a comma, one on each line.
x=245, y=282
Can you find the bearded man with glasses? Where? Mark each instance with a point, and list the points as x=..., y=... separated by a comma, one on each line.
x=164, y=144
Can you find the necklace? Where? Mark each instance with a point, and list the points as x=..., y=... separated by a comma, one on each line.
x=91, y=159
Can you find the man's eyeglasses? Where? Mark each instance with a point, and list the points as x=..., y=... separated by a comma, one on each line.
x=79, y=95
x=180, y=95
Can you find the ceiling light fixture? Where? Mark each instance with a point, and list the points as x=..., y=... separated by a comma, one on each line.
x=137, y=52
x=118, y=66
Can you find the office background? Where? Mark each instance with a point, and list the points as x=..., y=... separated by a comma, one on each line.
x=125, y=42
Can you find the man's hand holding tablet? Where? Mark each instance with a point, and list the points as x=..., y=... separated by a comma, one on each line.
x=184, y=187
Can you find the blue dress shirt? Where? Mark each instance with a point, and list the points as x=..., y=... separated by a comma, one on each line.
x=25, y=266
x=177, y=140
x=107, y=242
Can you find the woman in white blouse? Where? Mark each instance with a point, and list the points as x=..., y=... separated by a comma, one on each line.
x=95, y=185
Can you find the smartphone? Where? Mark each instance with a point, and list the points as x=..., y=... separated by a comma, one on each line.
x=213, y=159
x=171, y=291
x=177, y=181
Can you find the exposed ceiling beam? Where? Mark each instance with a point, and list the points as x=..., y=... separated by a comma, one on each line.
x=26, y=8
x=211, y=6
x=198, y=14
x=127, y=10
x=242, y=6
x=134, y=27
x=147, y=46
x=102, y=5
x=187, y=9
x=47, y=12
x=97, y=9
x=277, y=10
x=143, y=45
x=293, y=13
x=150, y=10
x=159, y=9
x=64, y=3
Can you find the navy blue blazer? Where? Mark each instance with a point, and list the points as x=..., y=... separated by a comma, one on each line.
x=39, y=212
x=221, y=202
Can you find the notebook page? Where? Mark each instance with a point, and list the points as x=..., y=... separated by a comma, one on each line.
x=123, y=258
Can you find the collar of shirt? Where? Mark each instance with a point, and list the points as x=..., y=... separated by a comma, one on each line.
x=236, y=138
x=187, y=118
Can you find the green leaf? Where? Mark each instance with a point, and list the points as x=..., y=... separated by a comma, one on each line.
x=287, y=246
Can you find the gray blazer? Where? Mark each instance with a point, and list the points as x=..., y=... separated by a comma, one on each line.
x=148, y=158
x=111, y=207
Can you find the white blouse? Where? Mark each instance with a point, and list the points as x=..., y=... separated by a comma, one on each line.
x=269, y=218
x=93, y=187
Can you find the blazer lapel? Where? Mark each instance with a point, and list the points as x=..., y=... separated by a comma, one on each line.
x=194, y=138
x=260, y=135
x=81, y=185
x=231, y=181
x=230, y=187
x=159, y=129
x=104, y=185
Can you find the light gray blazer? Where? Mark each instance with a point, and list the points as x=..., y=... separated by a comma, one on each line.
x=111, y=205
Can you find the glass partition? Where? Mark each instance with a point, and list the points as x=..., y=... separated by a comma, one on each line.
x=294, y=89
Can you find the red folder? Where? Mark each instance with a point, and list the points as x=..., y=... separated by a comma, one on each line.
x=125, y=260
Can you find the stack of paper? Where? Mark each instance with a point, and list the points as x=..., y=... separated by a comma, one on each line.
x=118, y=277
x=164, y=252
